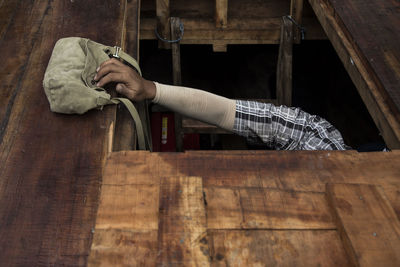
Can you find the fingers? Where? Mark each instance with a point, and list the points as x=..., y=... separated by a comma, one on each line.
x=108, y=66
x=111, y=77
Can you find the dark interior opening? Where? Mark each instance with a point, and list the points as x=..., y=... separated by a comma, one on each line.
x=321, y=85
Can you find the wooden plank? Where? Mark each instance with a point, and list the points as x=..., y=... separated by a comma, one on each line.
x=177, y=77
x=276, y=248
x=182, y=223
x=125, y=130
x=221, y=13
x=115, y=247
x=305, y=171
x=219, y=47
x=377, y=45
x=126, y=227
x=260, y=208
x=284, y=66
x=163, y=23
x=296, y=11
x=371, y=89
x=368, y=224
x=51, y=164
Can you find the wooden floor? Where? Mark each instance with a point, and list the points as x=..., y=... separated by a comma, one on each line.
x=249, y=208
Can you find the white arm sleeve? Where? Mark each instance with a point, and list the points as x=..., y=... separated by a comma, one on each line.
x=197, y=104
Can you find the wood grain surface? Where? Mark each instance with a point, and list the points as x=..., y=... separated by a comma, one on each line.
x=182, y=230
x=277, y=248
x=367, y=222
x=50, y=164
x=374, y=27
x=366, y=37
x=236, y=208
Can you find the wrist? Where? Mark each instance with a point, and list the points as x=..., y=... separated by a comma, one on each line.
x=149, y=89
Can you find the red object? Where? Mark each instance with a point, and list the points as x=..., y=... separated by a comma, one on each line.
x=163, y=134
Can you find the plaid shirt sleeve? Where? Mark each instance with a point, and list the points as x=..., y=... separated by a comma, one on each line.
x=285, y=128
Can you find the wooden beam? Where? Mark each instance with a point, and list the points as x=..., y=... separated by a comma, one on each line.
x=177, y=77
x=296, y=11
x=163, y=27
x=367, y=86
x=221, y=13
x=367, y=223
x=284, y=67
x=182, y=223
x=219, y=47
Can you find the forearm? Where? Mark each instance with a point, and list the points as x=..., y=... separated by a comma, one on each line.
x=197, y=104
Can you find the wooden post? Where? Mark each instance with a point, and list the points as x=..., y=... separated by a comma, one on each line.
x=284, y=68
x=176, y=74
x=221, y=13
x=296, y=11
x=163, y=29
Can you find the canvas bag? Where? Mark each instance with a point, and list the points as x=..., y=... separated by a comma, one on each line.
x=68, y=81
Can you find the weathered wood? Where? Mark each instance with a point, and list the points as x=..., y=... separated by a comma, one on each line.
x=362, y=49
x=177, y=77
x=115, y=247
x=125, y=131
x=219, y=47
x=258, y=207
x=284, y=66
x=221, y=13
x=296, y=11
x=182, y=232
x=368, y=224
x=249, y=22
x=276, y=248
x=126, y=227
x=255, y=31
x=304, y=171
x=261, y=208
x=163, y=24
x=51, y=164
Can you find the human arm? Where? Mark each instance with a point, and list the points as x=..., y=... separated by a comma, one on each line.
x=278, y=126
x=285, y=128
x=197, y=104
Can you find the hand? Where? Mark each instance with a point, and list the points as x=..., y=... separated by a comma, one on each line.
x=129, y=82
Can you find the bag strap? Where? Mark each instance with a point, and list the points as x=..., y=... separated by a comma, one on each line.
x=117, y=52
x=143, y=137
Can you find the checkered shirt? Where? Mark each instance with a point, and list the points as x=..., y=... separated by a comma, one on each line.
x=285, y=128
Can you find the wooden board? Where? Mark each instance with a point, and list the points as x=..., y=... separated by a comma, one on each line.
x=232, y=207
x=50, y=164
x=261, y=208
x=367, y=222
x=366, y=37
x=277, y=248
x=182, y=238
